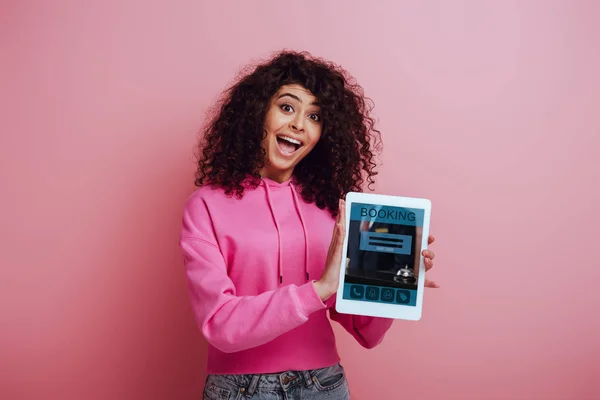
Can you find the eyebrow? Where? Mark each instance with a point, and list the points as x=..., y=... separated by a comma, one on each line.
x=293, y=96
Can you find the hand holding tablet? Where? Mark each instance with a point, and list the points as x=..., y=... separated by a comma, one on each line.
x=382, y=271
x=327, y=285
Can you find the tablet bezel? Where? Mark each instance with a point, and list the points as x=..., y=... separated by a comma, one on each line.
x=395, y=311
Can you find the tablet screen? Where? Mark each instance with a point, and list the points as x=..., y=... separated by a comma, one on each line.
x=383, y=255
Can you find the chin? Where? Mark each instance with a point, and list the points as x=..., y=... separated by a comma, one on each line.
x=283, y=164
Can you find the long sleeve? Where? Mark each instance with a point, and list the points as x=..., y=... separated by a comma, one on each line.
x=234, y=323
x=229, y=322
x=368, y=331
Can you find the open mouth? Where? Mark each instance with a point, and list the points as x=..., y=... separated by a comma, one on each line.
x=288, y=145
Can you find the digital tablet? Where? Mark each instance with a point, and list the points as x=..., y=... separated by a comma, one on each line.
x=382, y=273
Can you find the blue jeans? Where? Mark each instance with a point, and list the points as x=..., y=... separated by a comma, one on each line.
x=319, y=384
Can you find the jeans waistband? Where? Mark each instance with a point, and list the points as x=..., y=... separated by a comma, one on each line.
x=284, y=380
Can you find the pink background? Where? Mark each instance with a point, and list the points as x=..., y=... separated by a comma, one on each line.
x=490, y=108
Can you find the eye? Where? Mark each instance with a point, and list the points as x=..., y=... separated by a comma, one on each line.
x=315, y=117
x=287, y=108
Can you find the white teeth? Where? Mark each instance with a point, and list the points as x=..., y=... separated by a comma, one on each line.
x=289, y=139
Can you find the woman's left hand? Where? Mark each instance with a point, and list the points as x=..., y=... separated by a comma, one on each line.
x=429, y=256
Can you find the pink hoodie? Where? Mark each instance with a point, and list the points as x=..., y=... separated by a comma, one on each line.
x=250, y=264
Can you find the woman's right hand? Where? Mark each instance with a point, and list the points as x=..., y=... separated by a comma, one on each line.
x=327, y=285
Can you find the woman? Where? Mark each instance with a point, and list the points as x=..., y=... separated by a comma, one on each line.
x=288, y=141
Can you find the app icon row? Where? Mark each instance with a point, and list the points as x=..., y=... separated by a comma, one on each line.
x=375, y=293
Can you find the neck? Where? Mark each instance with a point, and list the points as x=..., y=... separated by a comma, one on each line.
x=276, y=176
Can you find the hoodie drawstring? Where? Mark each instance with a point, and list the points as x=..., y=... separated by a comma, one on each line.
x=280, y=262
x=304, y=230
x=296, y=202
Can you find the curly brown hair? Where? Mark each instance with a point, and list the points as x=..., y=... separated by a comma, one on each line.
x=230, y=149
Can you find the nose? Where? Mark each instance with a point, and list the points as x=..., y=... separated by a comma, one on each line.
x=297, y=123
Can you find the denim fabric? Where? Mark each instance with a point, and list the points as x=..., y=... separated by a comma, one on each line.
x=320, y=384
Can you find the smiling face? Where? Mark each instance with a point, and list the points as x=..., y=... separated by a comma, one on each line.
x=293, y=128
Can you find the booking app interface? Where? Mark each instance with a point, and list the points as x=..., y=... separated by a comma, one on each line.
x=383, y=254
